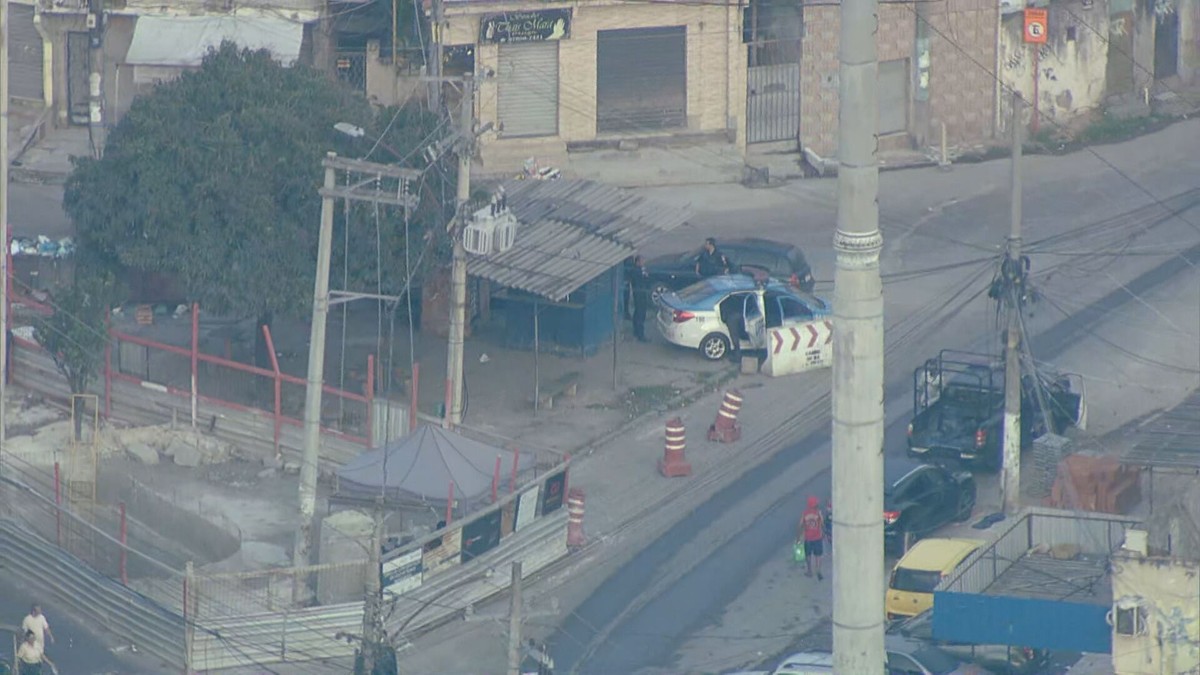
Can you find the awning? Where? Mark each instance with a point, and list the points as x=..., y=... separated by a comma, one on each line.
x=570, y=232
x=183, y=41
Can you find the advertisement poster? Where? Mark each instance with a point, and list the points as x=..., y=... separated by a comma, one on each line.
x=527, y=506
x=402, y=573
x=512, y=27
x=481, y=536
x=552, y=496
x=435, y=560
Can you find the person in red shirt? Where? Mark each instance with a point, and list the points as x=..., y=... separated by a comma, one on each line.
x=811, y=531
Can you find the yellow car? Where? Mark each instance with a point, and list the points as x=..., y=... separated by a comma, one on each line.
x=910, y=589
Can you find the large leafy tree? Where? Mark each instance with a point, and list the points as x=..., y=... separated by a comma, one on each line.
x=212, y=179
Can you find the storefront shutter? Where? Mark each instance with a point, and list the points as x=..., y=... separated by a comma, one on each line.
x=641, y=79
x=528, y=89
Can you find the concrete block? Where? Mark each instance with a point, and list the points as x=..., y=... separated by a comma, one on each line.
x=187, y=455
x=142, y=453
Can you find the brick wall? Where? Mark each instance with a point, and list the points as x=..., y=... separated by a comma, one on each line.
x=962, y=83
x=819, y=69
x=961, y=92
x=716, y=68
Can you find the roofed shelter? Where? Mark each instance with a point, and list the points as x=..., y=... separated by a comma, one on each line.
x=561, y=278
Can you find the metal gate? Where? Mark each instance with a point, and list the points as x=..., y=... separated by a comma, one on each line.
x=1166, y=44
x=79, y=54
x=641, y=79
x=25, y=66
x=773, y=103
x=352, y=69
x=528, y=89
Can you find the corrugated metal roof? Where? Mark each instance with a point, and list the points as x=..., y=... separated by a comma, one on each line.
x=1170, y=440
x=570, y=232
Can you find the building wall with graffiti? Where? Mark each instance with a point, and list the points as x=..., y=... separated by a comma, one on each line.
x=1066, y=76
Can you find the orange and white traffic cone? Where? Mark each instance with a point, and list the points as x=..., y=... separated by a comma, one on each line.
x=726, y=428
x=673, y=464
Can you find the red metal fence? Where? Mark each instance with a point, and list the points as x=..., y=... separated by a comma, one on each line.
x=150, y=381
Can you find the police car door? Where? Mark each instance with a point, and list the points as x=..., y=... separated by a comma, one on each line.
x=755, y=320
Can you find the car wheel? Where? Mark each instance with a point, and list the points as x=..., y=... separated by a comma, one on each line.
x=714, y=346
x=966, y=506
x=658, y=291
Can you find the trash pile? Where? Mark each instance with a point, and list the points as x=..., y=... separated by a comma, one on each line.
x=532, y=170
x=42, y=246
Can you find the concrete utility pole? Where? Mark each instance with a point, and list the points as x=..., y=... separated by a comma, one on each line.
x=1010, y=483
x=434, y=59
x=369, y=186
x=458, y=268
x=858, y=589
x=302, y=553
x=372, y=634
x=4, y=271
x=96, y=77
x=514, y=622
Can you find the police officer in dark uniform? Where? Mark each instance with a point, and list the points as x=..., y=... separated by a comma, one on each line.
x=712, y=262
x=640, y=281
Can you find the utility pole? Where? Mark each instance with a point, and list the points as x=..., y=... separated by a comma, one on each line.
x=372, y=633
x=4, y=271
x=434, y=59
x=374, y=183
x=514, y=622
x=96, y=77
x=458, y=268
x=1012, y=271
x=302, y=553
x=858, y=589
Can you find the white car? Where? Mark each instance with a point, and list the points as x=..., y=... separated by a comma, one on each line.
x=691, y=317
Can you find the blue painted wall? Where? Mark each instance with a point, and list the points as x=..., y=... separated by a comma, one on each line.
x=1021, y=622
x=579, y=329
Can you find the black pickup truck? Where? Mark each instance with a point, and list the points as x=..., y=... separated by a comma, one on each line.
x=958, y=408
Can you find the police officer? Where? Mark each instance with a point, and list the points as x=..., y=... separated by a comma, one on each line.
x=712, y=262
x=640, y=281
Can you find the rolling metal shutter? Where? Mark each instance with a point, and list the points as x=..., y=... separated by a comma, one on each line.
x=893, y=96
x=528, y=89
x=25, y=64
x=641, y=79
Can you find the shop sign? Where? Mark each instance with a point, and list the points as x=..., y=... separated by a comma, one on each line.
x=544, y=26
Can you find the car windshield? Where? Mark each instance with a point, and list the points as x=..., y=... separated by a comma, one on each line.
x=695, y=294
x=935, y=660
x=915, y=581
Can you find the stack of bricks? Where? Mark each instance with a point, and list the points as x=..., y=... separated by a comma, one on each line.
x=1047, y=452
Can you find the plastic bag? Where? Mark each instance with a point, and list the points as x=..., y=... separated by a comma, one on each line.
x=798, y=552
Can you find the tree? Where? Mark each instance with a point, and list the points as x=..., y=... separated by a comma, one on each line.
x=212, y=179
x=75, y=335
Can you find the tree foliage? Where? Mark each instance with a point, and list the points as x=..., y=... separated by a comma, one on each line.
x=75, y=335
x=212, y=179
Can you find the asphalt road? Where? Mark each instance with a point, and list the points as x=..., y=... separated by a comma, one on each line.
x=620, y=629
x=76, y=651
x=37, y=209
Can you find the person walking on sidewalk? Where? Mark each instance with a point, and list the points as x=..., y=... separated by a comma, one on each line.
x=35, y=622
x=31, y=657
x=640, y=282
x=812, y=532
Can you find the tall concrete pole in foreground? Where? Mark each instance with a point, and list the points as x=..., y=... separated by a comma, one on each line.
x=1010, y=482
x=858, y=589
x=302, y=553
x=4, y=271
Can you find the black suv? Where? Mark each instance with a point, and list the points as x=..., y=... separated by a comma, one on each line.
x=759, y=258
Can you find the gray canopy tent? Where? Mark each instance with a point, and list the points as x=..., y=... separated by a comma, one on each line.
x=433, y=467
